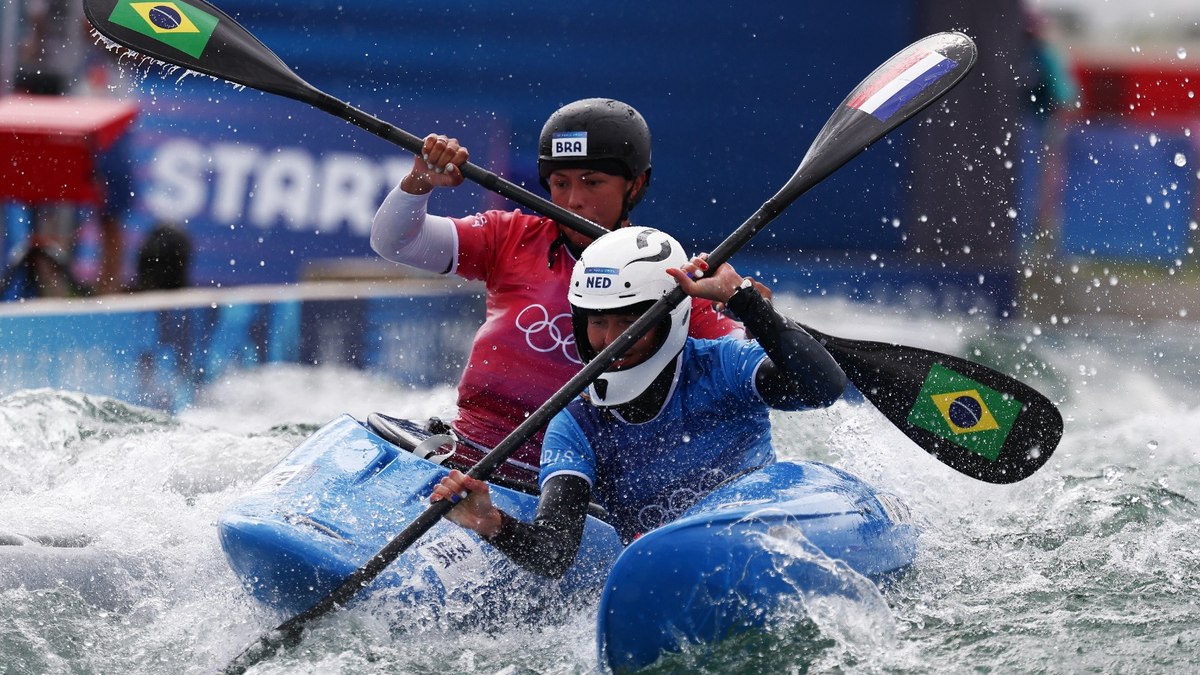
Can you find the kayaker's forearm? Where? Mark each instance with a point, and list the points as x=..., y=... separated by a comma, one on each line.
x=402, y=231
x=549, y=544
x=800, y=373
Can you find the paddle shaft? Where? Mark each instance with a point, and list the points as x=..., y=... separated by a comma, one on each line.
x=472, y=172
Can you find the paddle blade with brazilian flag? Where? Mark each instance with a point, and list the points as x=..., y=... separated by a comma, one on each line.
x=197, y=36
x=978, y=421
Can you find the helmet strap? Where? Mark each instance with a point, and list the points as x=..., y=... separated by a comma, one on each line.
x=559, y=241
x=635, y=193
x=650, y=403
x=632, y=197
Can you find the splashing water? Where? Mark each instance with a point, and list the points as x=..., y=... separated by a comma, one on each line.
x=1092, y=564
x=145, y=65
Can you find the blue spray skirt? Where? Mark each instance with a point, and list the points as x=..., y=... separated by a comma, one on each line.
x=722, y=568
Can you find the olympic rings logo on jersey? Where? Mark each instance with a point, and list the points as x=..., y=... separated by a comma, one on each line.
x=679, y=500
x=544, y=333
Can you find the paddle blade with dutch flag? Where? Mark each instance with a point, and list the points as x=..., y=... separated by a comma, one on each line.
x=904, y=85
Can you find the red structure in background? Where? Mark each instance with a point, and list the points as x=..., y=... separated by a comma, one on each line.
x=50, y=151
x=1139, y=88
x=49, y=145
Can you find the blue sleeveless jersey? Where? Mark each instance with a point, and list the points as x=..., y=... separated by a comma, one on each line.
x=714, y=426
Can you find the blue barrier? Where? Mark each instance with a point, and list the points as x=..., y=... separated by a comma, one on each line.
x=158, y=349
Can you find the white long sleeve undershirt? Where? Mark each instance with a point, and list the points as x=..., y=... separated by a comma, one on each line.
x=404, y=232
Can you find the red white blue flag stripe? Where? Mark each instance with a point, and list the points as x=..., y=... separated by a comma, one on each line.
x=900, y=82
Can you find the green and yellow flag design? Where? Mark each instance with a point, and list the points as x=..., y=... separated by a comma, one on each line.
x=964, y=412
x=174, y=23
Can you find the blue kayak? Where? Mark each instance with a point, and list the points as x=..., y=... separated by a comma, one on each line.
x=342, y=494
x=720, y=569
x=752, y=546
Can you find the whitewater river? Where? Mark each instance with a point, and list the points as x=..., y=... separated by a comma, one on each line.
x=1091, y=565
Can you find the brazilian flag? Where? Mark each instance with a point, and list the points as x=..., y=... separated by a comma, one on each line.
x=964, y=412
x=175, y=23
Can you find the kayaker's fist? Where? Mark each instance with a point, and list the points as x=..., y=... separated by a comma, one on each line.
x=698, y=281
x=473, y=503
x=436, y=166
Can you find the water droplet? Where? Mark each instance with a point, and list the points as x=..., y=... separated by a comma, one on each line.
x=1181, y=53
x=1180, y=160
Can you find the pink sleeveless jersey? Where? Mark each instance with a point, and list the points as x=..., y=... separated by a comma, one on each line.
x=525, y=349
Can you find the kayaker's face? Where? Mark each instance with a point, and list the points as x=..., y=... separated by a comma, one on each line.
x=595, y=195
x=603, y=329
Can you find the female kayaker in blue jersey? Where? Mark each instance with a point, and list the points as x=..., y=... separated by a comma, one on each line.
x=666, y=423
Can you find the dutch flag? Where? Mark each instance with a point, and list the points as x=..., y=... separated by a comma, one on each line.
x=899, y=83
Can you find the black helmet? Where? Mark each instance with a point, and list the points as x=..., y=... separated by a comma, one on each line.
x=596, y=133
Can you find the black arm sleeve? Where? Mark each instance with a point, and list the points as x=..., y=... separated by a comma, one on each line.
x=798, y=372
x=549, y=544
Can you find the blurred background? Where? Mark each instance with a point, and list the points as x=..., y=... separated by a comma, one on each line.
x=1057, y=180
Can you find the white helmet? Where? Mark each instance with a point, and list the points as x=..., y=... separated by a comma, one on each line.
x=624, y=271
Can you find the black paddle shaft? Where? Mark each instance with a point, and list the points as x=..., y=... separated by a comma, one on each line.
x=847, y=133
x=472, y=172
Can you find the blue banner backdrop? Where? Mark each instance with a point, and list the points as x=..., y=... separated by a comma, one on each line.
x=264, y=185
